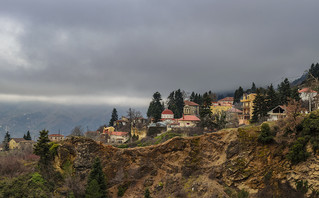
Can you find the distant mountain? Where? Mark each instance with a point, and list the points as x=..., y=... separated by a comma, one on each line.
x=18, y=118
x=300, y=80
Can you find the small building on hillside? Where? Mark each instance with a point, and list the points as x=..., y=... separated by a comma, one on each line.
x=167, y=114
x=118, y=137
x=188, y=121
x=226, y=101
x=248, y=106
x=277, y=113
x=234, y=117
x=20, y=143
x=56, y=137
x=191, y=108
x=122, y=122
x=108, y=129
x=307, y=94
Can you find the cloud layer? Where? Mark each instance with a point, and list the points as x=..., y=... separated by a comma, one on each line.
x=121, y=52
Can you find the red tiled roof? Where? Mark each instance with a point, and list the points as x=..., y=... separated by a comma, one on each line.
x=307, y=90
x=234, y=110
x=167, y=111
x=190, y=103
x=118, y=133
x=227, y=99
x=56, y=135
x=189, y=118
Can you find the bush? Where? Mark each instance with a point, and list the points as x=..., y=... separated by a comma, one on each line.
x=298, y=151
x=243, y=194
x=265, y=136
x=121, y=190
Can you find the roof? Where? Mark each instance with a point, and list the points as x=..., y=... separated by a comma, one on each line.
x=17, y=140
x=167, y=111
x=189, y=118
x=190, y=103
x=307, y=90
x=56, y=135
x=119, y=133
x=227, y=99
x=234, y=110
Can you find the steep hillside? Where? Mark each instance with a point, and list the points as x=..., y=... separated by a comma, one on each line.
x=211, y=165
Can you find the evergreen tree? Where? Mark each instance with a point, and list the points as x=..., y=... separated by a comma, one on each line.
x=314, y=70
x=260, y=108
x=253, y=88
x=147, y=193
x=295, y=94
x=238, y=94
x=284, y=92
x=42, y=149
x=192, y=97
x=175, y=102
x=6, y=141
x=271, y=98
x=96, y=184
x=155, y=108
x=24, y=137
x=265, y=136
x=114, y=117
x=28, y=136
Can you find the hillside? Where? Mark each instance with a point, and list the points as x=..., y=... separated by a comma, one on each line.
x=212, y=165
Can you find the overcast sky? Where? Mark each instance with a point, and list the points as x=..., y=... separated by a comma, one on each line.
x=119, y=52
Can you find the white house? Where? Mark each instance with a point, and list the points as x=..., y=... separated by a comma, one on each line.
x=277, y=113
x=307, y=94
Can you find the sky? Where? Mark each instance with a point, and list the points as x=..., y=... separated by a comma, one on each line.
x=119, y=52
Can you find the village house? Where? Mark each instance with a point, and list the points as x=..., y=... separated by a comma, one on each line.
x=191, y=108
x=234, y=117
x=167, y=114
x=20, y=143
x=277, y=113
x=188, y=121
x=248, y=106
x=307, y=94
x=222, y=105
x=226, y=101
x=118, y=137
x=56, y=137
x=122, y=122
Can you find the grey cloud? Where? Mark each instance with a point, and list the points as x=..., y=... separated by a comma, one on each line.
x=135, y=48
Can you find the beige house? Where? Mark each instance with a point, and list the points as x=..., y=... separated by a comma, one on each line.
x=188, y=121
x=20, y=143
x=56, y=137
x=191, y=108
x=118, y=137
x=277, y=113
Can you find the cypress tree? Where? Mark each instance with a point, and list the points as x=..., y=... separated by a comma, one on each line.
x=155, y=108
x=6, y=141
x=114, y=117
x=28, y=136
x=96, y=184
x=284, y=92
x=253, y=88
x=42, y=148
x=260, y=108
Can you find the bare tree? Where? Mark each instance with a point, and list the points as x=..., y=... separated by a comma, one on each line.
x=77, y=131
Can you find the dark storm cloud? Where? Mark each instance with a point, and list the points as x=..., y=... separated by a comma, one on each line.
x=126, y=50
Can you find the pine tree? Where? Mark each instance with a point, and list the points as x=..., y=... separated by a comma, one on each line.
x=28, y=136
x=175, y=102
x=6, y=141
x=155, y=108
x=284, y=92
x=114, y=117
x=42, y=149
x=253, y=88
x=295, y=94
x=192, y=97
x=24, y=137
x=238, y=94
x=271, y=98
x=96, y=184
x=260, y=108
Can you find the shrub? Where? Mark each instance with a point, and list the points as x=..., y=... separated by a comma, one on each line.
x=298, y=151
x=243, y=194
x=265, y=136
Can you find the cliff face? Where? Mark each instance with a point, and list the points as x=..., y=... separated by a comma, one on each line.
x=211, y=165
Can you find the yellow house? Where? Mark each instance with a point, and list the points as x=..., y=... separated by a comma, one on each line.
x=140, y=132
x=14, y=143
x=248, y=106
x=217, y=108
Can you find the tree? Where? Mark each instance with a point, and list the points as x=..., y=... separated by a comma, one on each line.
x=295, y=94
x=155, y=108
x=271, y=98
x=253, y=88
x=238, y=94
x=96, y=184
x=175, y=102
x=114, y=117
x=147, y=193
x=260, y=108
x=6, y=141
x=284, y=92
x=265, y=136
x=28, y=136
x=42, y=149
x=77, y=131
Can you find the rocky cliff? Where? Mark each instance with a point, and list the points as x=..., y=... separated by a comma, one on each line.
x=212, y=165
